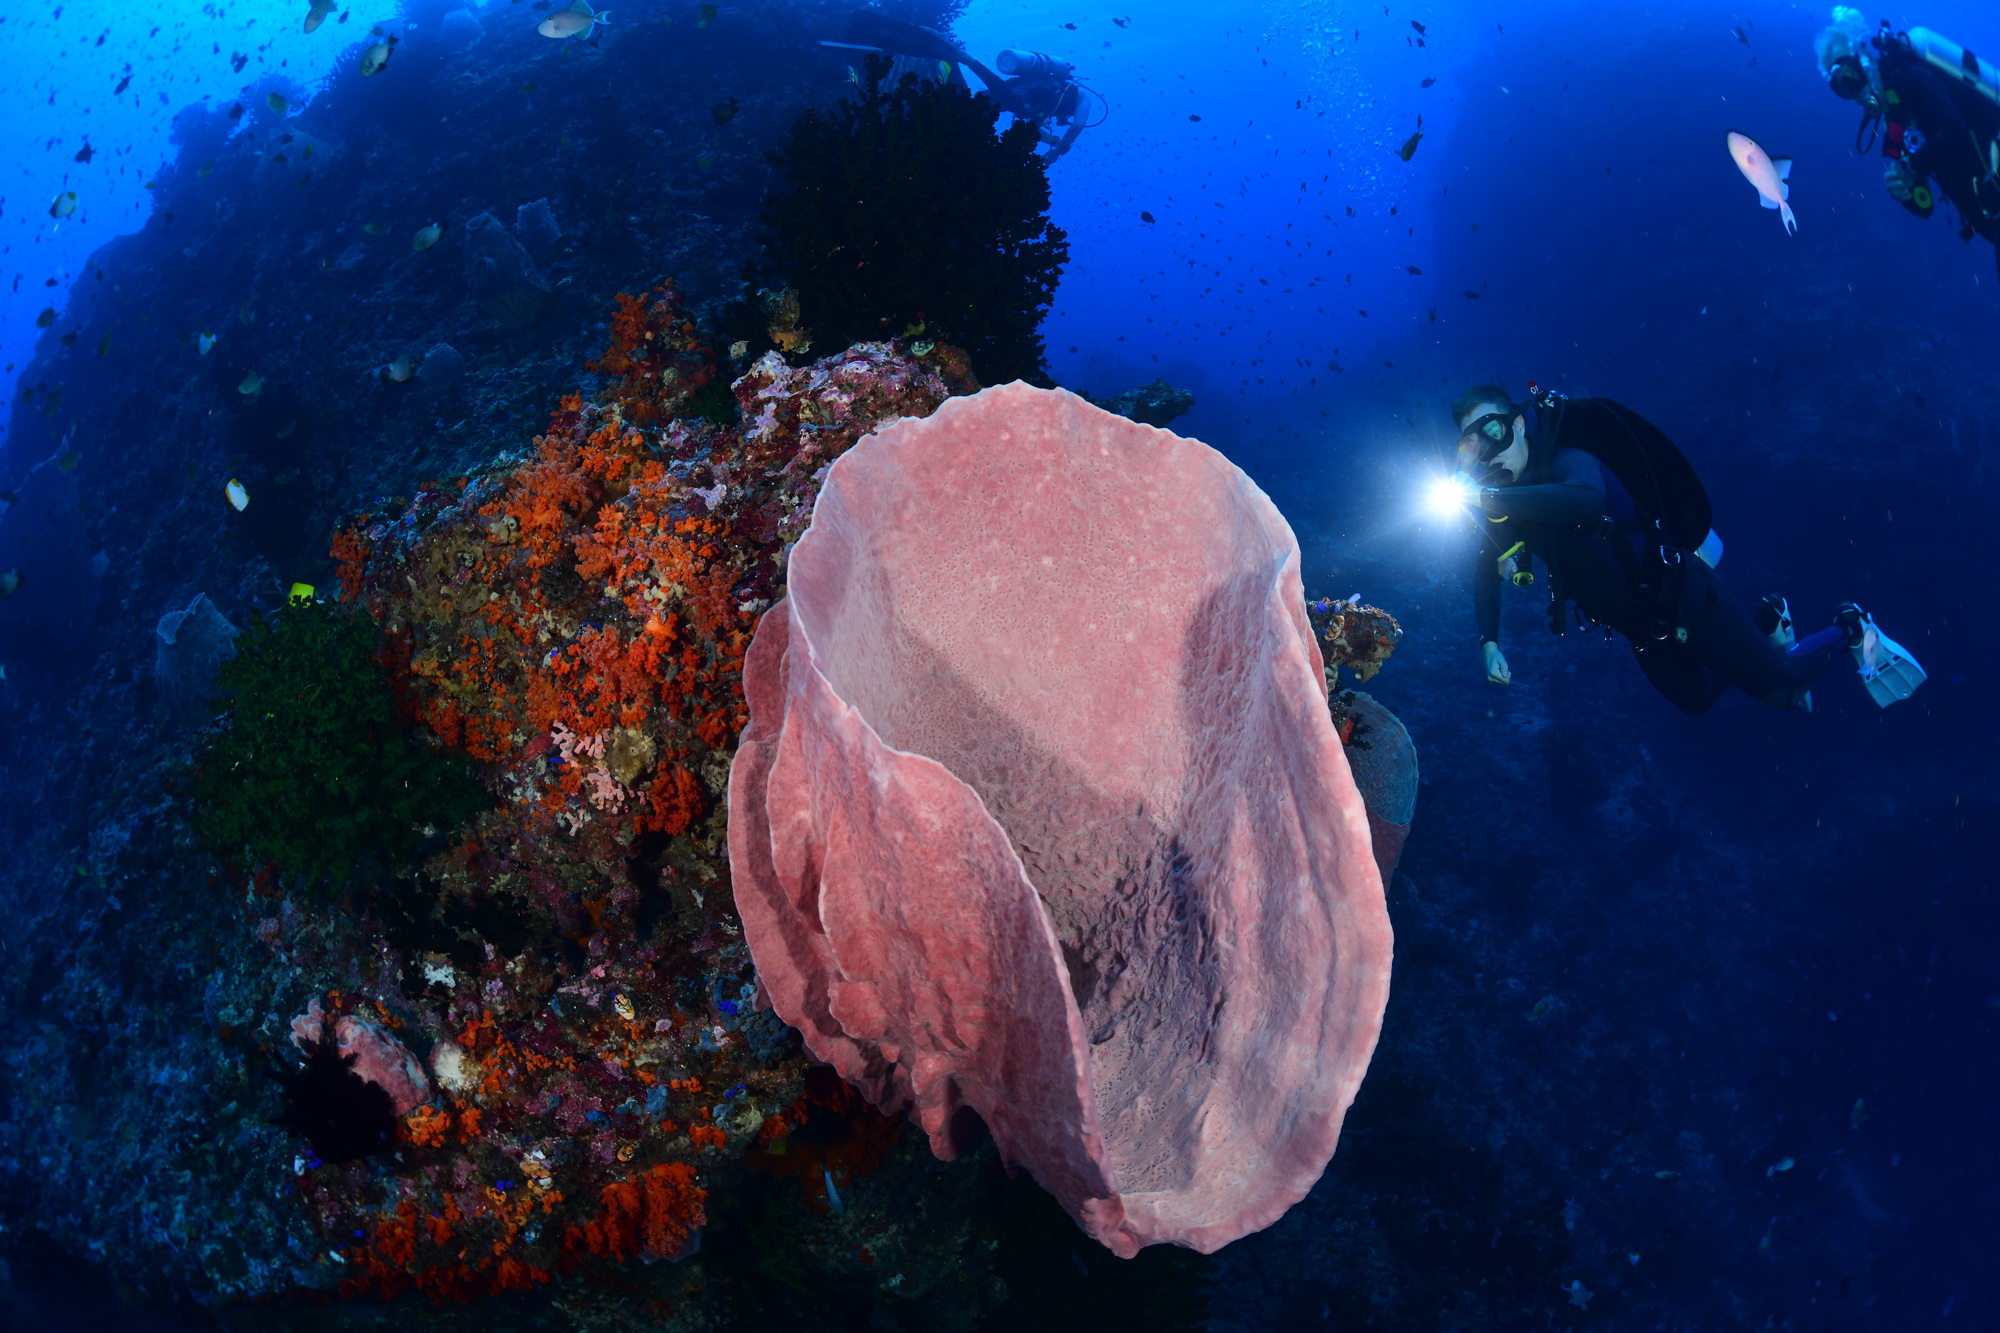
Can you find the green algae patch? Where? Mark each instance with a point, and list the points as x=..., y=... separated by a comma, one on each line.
x=311, y=774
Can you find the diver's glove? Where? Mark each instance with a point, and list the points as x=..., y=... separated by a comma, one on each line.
x=1496, y=663
x=1900, y=181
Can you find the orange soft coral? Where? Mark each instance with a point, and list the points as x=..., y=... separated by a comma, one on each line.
x=654, y=1214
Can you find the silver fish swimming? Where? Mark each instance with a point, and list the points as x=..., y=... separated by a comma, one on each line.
x=579, y=18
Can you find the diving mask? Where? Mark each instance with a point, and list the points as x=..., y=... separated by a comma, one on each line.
x=1491, y=434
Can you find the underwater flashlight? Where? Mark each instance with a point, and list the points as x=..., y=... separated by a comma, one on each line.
x=1451, y=495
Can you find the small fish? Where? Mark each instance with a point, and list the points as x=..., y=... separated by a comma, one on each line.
x=1195, y=119
x=123, y=84
x=1768, y=174
x=1122, y=22
x=10, y=583
x=1742, y=37
x=1413, y=270
x=252, y=385
x=427, y=237
x=1421, y=30
x=317, y=13
x=1471, y=295
x=201, y=172
x=204, y=343
x=376, y=56
x=277, y=103
x=374, y=229
x=1782, y=1164
x=832, y=1194
x=1427, y=83
x=1409, y=148
x=238, y=60
x=723, y=112
x=1579, y=1295
x=302, y=592
x=707, y=17
x=67, y=460
x=46, y=319
x=63, y=205
x=239, y=499
x=623, y=1006
x=402, y=368
x=85, y=153
x=1144, y=216
x=578, y=18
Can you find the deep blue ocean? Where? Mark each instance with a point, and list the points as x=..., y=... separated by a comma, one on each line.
x=1694, y=1021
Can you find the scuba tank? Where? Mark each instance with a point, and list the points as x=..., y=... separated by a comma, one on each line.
x=1951, y=58
x=1031, y=64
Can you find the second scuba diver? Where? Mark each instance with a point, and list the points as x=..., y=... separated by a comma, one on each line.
x=1038, y=89
x=1936, y=107
x=1622, y=523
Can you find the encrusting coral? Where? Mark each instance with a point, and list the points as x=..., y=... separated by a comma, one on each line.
x=571, y=969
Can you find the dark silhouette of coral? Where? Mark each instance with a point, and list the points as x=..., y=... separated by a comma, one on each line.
x=904, y=214
x=341, y=1115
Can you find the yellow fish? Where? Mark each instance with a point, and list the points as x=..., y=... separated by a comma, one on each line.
x=239, y=499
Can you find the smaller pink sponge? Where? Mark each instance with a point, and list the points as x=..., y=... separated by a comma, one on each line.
x=378, y=1056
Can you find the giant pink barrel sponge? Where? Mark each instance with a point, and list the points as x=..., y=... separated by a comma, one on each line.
x=1041, y=814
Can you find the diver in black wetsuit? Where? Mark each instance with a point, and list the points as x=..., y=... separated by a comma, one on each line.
x=1033, y=87
x=1936, y=108
x=1617, y=515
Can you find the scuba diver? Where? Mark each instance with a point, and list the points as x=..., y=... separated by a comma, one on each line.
x=1935, y=107
x=1035, y=88
x=1621, y=521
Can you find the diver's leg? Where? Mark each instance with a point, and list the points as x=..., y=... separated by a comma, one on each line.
x=1723, y=636
x=1685, y=682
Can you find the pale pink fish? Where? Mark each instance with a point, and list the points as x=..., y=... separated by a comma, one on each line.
x=1768, y=174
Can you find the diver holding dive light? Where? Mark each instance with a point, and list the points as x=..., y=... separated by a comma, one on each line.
x=1033, y=87
x=1621, y=522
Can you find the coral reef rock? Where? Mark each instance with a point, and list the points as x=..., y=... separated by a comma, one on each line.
x=1041, y=817
x=42, y=534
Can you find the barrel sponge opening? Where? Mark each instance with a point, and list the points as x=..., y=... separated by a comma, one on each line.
x=1041, y=811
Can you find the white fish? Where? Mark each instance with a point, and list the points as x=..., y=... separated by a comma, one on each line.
x=63, y=205
x=239, y=499
x=426, y=237
x=1768, y=174
x=376, y=56
x=578, y=18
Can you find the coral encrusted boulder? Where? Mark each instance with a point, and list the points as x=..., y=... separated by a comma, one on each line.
x=1041, y=815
